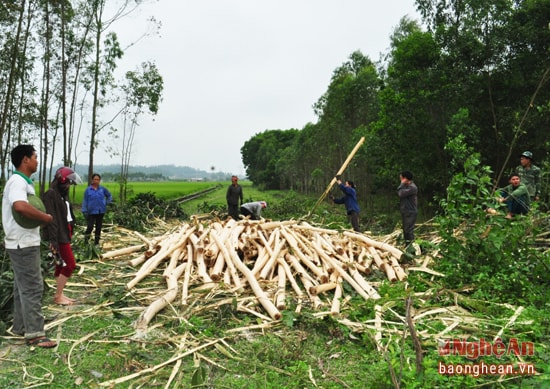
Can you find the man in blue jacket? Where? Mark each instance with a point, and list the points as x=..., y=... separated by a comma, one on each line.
x=350, y=201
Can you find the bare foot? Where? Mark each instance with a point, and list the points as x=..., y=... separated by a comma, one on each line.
x=64, y=300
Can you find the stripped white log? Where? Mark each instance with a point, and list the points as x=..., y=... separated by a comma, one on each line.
x=308, y=227
x=321, y=288
x=292, y=242
x=199, y=258
x=336, y=266
x=174, y=258
x=363, y=283
x=335, y=307
x=187, y=274
x=216, y=271
x=378, y=327
x=280, y=296
x=172, y=244
x=225, y=248
x=123, y=251
x=254, y=285
x=268, y=266
x=306, y=279
x=137, y=260
x=156, y=306
x=401, y=275
x=288, y=271
x=371, y=242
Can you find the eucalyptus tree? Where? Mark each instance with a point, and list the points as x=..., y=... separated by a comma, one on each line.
x=142, y=94
x=261, y=155
x=496, y=54
x=106, y=52
x=12, y=15
x=350, y=102
x=410, y=131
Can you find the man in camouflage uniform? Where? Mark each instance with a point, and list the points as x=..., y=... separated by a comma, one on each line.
x=529, y=175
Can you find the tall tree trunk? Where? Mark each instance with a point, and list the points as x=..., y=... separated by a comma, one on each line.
x=9, y=95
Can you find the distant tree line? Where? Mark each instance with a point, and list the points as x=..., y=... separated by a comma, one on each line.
x=476, y=68
x=154, y=173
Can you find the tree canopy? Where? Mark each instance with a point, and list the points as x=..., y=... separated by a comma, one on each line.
x=480, y=68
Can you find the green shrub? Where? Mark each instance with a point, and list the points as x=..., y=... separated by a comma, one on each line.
x=495, y=257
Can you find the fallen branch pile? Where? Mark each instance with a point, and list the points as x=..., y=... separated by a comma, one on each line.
x=265, y=258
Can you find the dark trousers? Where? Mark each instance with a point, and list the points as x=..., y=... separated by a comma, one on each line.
x=409, y=220
x=97, y=221
x=353, y=217
x=233, y=211
x=246, y=212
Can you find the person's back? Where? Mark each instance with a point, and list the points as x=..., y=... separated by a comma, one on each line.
x=253, y=209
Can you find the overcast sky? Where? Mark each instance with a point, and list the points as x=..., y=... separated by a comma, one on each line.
x=235, y=68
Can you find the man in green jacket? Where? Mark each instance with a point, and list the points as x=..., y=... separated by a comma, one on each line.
x=529, y=175
x=515, y=196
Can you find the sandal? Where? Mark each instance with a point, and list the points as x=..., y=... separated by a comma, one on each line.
x=41, y=341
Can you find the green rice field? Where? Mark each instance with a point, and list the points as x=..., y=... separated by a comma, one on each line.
x=166, y=190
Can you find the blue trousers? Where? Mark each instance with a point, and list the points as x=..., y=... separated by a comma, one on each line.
x=28, y=288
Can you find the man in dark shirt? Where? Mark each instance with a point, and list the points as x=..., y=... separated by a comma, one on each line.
x=407, y=192
x=234, y=198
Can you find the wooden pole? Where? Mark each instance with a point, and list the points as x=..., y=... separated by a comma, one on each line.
x=342, y=169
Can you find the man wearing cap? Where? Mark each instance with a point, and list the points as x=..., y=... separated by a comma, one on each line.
x=529, y=175
x=254, y=209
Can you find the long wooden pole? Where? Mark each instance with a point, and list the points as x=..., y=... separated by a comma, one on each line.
x=342, y=169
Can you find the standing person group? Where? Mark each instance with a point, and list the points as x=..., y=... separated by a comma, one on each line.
x=60, y=231
x=94, y=205
x=349, y=200
x=234, y=197
x=23, y=248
